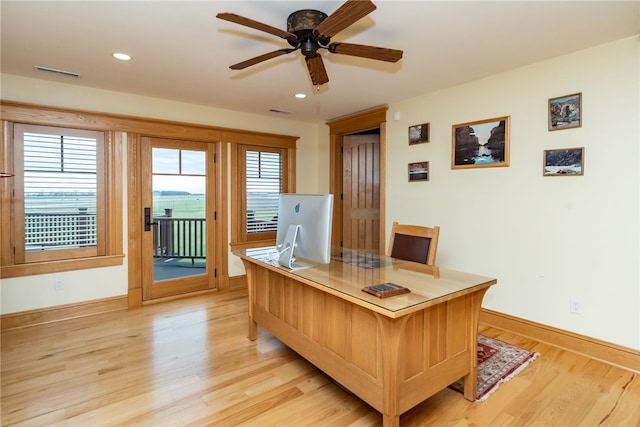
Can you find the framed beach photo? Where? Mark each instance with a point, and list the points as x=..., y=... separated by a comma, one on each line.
x=563, y=162
x=419, y=171
x=480, y=144
x=419, y=134
x=565, y=112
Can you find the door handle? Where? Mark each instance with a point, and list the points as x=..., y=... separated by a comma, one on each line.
x=147, y=219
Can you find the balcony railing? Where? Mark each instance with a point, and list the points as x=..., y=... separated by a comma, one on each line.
x=179, y=237
x=60, y=230
x=259, y=226
x=172, y=237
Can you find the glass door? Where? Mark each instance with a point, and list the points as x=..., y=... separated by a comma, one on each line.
x=176, y=211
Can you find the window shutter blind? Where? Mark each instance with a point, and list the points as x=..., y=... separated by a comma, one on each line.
x=60, y=187
x=264, y=185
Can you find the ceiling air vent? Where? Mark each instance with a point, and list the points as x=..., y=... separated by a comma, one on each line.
x=59, y=72
x=273, y=110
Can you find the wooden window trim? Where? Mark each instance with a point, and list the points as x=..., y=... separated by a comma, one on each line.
x=20, y=255
x=110, y=215
x=239, y=236
x=129, y=127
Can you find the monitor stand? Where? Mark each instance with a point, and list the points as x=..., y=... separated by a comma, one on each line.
x=287, y=256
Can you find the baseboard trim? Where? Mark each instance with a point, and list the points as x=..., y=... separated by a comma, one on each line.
x=612, y=354
x=24, y=319
x=238, y=282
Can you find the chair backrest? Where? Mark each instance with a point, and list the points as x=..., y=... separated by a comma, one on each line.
x=414, y=243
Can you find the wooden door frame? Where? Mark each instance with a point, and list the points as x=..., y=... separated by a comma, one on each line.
x=359, y=122
x=153, y=289
x=135, y=220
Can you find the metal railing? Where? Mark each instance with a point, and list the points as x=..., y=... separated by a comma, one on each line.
x=179, y=237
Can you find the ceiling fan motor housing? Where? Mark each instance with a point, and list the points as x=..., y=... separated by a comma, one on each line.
x=302, y=23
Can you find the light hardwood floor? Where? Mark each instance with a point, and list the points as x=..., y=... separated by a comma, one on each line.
x=188, y=363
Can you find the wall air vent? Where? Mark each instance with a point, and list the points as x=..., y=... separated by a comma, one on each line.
x=273, y=110
x=59, y=72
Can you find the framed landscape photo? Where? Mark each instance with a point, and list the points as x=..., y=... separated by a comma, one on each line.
x=419, y=134
x=480, y=144
x=419, y=171
x=563, y=162
x=565, y=112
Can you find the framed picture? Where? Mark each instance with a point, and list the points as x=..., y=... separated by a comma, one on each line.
x=565, y=112
x=419, y=171
x=419, y=134
x=563, y=162
x=480, y=144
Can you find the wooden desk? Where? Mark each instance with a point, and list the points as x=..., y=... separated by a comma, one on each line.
x=393, y=353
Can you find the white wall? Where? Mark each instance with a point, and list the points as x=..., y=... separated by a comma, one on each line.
x=546, y=239
x=35, y=292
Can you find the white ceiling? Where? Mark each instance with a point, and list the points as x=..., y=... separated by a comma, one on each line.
x=182, y=52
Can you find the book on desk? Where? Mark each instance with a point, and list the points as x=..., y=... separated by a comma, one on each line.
x=386, y=290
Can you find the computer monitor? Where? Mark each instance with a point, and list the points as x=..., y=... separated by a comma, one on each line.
x=304, y=229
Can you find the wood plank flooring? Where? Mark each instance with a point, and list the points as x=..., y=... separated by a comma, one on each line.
x=188, y=363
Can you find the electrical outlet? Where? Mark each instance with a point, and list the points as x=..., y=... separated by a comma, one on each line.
x=57, y=284
x=575, y=306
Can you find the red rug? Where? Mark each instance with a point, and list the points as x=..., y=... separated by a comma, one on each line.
x=498, y=362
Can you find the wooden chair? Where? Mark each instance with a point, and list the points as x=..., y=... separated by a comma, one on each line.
x=414, y=243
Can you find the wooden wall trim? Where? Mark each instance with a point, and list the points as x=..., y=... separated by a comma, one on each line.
x=74, y=264
x=31, y=113
x=221, y=233
x=23, y=319
x=134, y=297
x=358, y=122
x=603, y=351
x=134, y=223
x=238, y=282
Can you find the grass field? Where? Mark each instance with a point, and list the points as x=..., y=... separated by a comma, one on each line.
x=183, y=206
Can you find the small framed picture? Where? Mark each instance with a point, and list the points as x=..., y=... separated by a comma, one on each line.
x=419, y=171
x=563, y=162
x=480, y=144
x=565, y=112
x=419, y=134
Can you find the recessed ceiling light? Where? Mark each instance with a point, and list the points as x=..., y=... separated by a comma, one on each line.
x=122, y=56
x=300, y=95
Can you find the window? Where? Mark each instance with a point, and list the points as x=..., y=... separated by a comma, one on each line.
x=263, y=185
x=262, y=176
x=59, y=211
x=61, y=169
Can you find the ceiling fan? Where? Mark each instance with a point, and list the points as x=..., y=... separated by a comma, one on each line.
x=310, y=30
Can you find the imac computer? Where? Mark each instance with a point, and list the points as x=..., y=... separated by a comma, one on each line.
x=304, y=229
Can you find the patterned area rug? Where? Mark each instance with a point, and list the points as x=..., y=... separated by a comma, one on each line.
x=498, y=362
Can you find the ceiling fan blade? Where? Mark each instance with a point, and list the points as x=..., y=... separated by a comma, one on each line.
x=253, y=61
x=317, y=71
x=345, y=15
x=364, y=51
x=237, y=19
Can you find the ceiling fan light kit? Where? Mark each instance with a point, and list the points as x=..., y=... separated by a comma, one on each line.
x=309, y=30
